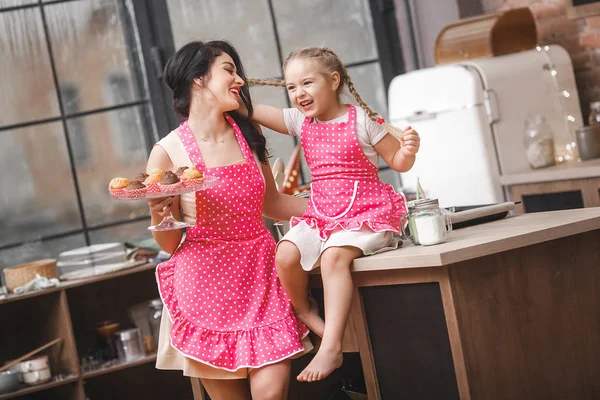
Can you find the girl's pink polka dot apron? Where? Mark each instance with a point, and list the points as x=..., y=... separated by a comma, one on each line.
x=226, y=303
x=346, y=191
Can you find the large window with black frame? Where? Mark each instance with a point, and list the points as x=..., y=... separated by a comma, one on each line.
x=83, y=99
x=74, y=112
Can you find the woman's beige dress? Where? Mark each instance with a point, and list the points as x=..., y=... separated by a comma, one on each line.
x=168, y=357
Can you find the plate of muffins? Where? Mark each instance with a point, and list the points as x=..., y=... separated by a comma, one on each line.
x=160, y=183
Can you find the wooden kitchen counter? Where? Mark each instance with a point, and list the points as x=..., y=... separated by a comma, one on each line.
x=564, y=171
x=503, y=310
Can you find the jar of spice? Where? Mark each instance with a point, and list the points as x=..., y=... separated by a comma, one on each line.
x=539, y=143
x=594, y=118
x=426, y=223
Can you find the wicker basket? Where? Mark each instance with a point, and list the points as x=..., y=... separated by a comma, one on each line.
x=19, y=275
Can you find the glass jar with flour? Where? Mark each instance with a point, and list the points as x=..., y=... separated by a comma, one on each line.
x=539, y=143
x=426, y=223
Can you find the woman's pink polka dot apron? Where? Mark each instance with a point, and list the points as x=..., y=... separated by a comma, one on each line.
x=226, y=303
x=346, y=191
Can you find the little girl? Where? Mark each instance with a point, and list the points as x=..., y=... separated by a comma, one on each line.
x=350, y=212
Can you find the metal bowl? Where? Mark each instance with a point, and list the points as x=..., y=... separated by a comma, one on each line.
x=9, y=381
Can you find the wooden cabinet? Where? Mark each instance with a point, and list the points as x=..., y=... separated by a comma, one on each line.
x=556, y=195
x=71, y=312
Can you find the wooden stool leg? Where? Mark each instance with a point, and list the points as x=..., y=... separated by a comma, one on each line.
x=197, y=389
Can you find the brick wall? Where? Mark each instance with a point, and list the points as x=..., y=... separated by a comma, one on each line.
x=581, y=38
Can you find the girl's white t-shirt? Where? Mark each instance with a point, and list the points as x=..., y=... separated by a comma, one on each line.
x=368, y=132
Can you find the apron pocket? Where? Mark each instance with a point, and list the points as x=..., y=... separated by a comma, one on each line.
x=324, y=198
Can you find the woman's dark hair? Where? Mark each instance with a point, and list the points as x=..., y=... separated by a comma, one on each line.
x=194, y=60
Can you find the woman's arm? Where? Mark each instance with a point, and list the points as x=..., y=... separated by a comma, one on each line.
x=280, y=206
x=399, y=155
x=167, y=240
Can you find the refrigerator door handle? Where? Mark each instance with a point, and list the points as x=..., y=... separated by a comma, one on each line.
x=491, y=105
x=421, y=115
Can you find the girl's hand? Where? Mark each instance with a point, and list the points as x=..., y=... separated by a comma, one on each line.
x=161, y=206
x=410, y=142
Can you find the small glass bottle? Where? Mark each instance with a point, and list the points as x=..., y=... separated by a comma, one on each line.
x=539, y=143
x=155, y=308
x=594, y=113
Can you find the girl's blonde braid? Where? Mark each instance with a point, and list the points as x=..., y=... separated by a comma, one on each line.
x=370, y=112
x=265, y=82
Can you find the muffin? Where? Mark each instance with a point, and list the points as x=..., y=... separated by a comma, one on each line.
x=152, y=180
x=180, y=170
x=117, y=186
x=169, y=182
x=191, y=177
x=135, y=190
x=141, y=177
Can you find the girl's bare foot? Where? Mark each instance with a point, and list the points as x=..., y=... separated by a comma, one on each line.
x=312, y=319
x=325, y=362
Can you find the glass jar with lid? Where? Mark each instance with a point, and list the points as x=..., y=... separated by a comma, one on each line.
x=539, y=143
x=155, y=308
x=426, y=223
x=594, y=118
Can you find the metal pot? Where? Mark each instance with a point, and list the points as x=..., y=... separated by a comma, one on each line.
x=9, y=381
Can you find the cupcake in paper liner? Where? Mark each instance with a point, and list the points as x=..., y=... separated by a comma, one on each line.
x=180, y=171
x=141, y=177
x=135, y=190
x=191, y=177
x=152, y=180
x=117, y=186
x=170, y=182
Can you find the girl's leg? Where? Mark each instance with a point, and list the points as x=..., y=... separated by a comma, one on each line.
x=271, y=382
x=337, y=287
x=295, y=282
x=227, y=389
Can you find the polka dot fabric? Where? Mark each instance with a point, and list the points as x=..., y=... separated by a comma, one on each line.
x=346, y=191
x=220, y=288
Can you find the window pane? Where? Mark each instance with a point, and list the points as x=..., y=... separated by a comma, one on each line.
x=121, y=233
x=368, y=82
x=345, y=26
x=38, y=250
x=95, y=52
x=14, y=3
x=29, y=95
x=245, y=24
x=117, y=147
x=38, y=193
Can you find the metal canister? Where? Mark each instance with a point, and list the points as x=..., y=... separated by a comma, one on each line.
x=129, y=345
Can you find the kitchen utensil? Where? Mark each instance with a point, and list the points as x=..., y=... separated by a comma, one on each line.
x=34, y=364
x=37, y=377
x=30, y=354
x=588, y=141
x=462, y=217
x=36, y=370
x=9, y=381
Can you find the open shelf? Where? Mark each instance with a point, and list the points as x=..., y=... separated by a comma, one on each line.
x=24, y=389
x=119, y=366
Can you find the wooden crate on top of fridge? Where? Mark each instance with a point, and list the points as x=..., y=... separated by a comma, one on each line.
x=486, y=35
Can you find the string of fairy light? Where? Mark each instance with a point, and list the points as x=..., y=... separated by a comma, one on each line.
x=563, y=94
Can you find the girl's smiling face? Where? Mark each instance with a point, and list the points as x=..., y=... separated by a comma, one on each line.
x=311, y=89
